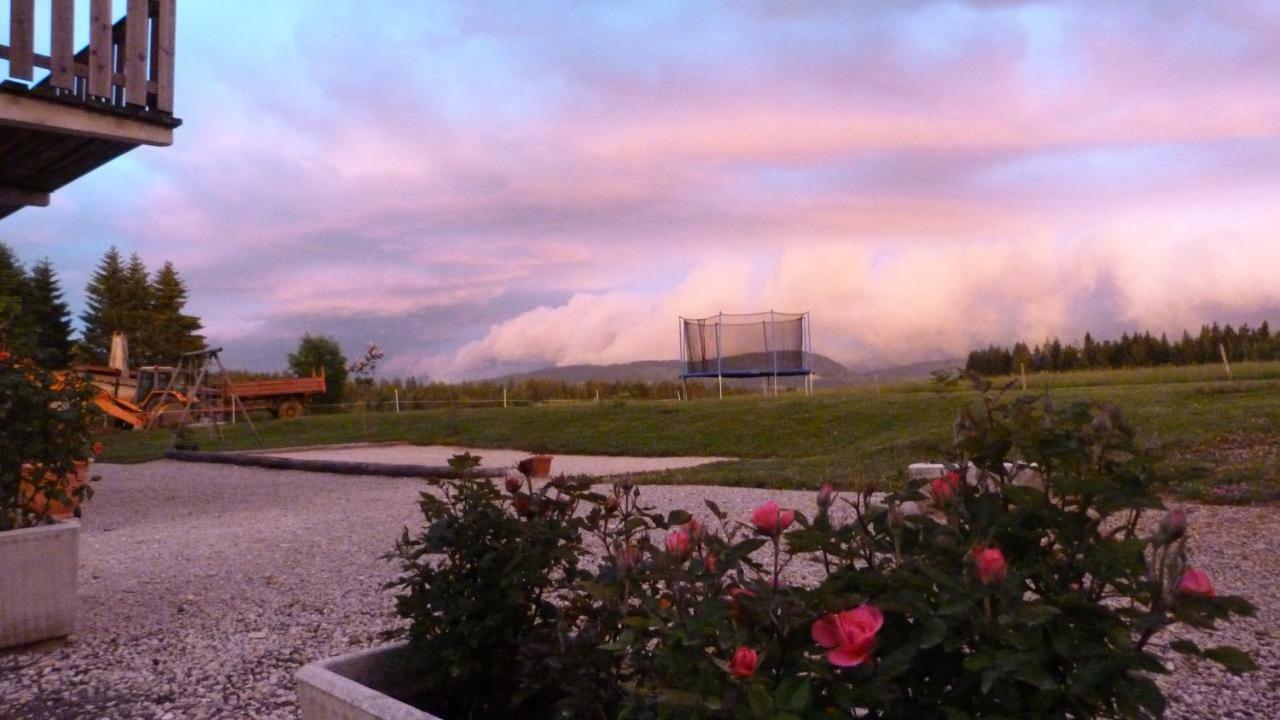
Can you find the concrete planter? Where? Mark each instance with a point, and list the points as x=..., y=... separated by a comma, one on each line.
x=358, y=686
x=38, y=582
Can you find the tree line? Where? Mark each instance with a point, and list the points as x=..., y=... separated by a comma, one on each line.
x=1136, y=350
x=320, y=351
x=121, y=296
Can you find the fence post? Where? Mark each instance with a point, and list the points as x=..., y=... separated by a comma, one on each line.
x=397, y=399
x=504, y=396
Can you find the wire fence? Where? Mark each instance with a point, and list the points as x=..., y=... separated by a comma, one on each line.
x=383, y=406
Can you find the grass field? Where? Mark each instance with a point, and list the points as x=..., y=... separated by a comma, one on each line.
x=1216, y=433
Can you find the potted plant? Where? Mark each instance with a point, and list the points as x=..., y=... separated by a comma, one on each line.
x=538, y=466
x=47, y=419
x=999, y=599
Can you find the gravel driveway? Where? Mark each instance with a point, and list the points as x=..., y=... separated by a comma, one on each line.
x=203, y=588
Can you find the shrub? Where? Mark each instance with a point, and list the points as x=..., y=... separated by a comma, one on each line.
x=47, y=419
x=974, y=595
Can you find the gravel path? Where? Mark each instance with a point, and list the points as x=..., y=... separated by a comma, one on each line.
x=203, y=588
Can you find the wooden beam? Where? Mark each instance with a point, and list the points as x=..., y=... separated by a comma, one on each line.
x=10, y=195
x=135, y=51
x=162, y=53
x=22, y=37
x=77, y=68
x=62, y=49
x=25, y=110
x=100, y=65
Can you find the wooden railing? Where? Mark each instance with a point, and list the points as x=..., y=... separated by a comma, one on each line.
x=128, y=63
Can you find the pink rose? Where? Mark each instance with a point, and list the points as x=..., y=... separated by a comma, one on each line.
x=771, y=521
x=679, y=543
x=944, y=488
x=1195, y=583
x=848, y=635
x=990, y=565
x=744, y=662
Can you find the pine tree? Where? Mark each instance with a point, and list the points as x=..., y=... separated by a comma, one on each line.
x=140, y=324
x=48, y=317
x=106, y=298
x=173, y=332
x=15, y=335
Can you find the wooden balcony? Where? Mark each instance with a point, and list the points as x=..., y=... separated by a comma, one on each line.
x=88, y=107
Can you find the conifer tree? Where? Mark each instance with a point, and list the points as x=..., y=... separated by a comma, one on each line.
x=15, y=333
x=138, y=317
x=48, y=317
x=106, y=307
x=173, y=331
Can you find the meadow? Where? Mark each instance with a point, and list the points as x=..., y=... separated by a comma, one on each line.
x=1220, y=436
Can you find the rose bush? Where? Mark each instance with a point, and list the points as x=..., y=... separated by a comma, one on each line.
x=47, y=419
x=1000, y=598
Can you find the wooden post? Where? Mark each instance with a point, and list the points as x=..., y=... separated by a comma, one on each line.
x=22, y=37
x=61, y=51
x=162, y=54
x=1225, y=363
x=135, y=53
x=100, y=66
x=397, y=390
x=1022, y=370
x=504, y=396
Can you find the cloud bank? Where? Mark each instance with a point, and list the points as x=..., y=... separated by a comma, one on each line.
x=483, y=189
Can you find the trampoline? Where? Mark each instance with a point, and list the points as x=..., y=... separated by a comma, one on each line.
x=756, y=345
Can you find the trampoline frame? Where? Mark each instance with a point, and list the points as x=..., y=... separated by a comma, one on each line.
x=770, y=349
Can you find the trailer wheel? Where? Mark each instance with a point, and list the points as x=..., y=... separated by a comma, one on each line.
x=289, y=409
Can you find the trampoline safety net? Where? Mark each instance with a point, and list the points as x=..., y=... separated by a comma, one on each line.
x=753, y=345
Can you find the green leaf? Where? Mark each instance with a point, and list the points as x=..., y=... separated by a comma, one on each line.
x=759, y=701
x=932, y=633
x=794, y=694
x=1233, y=659
x=1036, y=613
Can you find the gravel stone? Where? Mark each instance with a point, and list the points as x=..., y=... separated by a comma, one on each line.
x=203, y=588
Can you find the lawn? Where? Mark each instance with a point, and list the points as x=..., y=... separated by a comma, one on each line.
x=1215, y=432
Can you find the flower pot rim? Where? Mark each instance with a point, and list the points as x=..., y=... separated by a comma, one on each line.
x=324, y=677
x=57, y=525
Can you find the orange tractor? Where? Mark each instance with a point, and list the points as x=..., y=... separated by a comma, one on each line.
x=158, y=395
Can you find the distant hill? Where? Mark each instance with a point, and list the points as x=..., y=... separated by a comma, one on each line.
x=829, y=373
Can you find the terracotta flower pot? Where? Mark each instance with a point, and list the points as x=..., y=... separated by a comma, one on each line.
x=536, y=466
x=37, y=502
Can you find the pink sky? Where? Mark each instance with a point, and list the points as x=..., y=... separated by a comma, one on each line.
x=481, y=188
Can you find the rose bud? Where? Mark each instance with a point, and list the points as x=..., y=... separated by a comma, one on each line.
x=628, y=558
x=1173, y=525
x=826, y=496
x=744, y=662
x=96, y=448
x=611, y=504
x=525, y=467
x=990, y=565
x=944, y=488
x=694, y=528
x=771, y=521
x=1195, y=583
x=512, y=484
x=522, y=506
x=679, y=543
